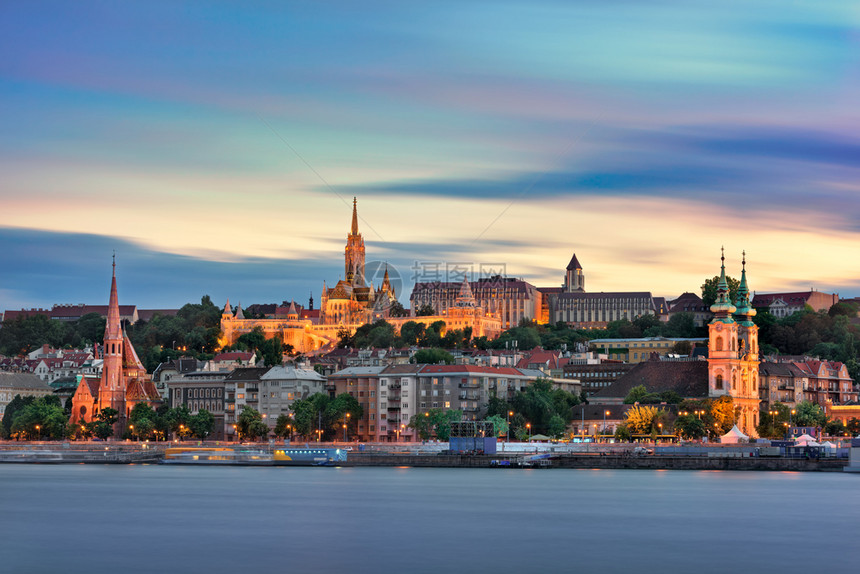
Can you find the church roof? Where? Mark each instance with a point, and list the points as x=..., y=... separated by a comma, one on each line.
x=574, y=264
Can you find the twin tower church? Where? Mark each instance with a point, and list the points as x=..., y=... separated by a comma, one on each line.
x=733, y=358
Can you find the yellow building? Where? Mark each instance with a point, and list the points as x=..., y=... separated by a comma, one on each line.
x=636, y=350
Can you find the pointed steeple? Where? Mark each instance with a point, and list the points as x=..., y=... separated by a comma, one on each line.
x=228, y=312
x=743, y=306
x=722, y=307
x=574, y=263
x=354, y=230
x=291, y=312
x=465, y=298
x=239, y=314
x=113, y=328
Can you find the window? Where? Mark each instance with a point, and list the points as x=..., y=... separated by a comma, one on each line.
x=447, y=404
x=718, y=383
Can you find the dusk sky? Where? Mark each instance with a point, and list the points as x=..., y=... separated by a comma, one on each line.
x=216, y=147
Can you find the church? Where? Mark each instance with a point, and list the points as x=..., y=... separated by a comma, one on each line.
x=123, y=382
x=349, y=304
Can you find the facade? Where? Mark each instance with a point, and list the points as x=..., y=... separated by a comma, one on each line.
x=781, y=382
x=123, y=382
x=595, y=376
x=785, y=304
x=24, y=384
x=241, y=387
x=582, y=310
x=636, y=350
x=281, y=386
x=828, y=382
x=511, y=300
x=201, y=390
x=733, y=363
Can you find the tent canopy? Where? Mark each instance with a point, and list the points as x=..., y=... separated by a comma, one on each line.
x=734, y=436
x=539, y=437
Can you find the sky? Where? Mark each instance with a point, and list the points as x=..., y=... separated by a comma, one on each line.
x=216, y=147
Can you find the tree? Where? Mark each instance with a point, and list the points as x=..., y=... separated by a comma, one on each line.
x=681, y=325
x=500, y=425
x=640, y=419
x=433, y=357
x=397, y=310
x=272, y=351
x=622, y=433
x=722, y=410
x=636, y=395
x=690, y=426
x=425, y=311
x=201, y=424
x=412, y=332
x=250, y=423
x=709, y=289
x=422, y=425
x=283, y=426
x=556, y=426
x=102, y=425
x=809, y=414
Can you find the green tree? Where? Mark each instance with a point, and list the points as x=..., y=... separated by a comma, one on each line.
x=433, y=357
x=201, y=424
x=722, y=411
x=809, y=414
x=283, y=426
x=272, y=351
x=422, y=425
x=103, y=423
x=397, y=310
x=622, y=433
x=636, y=395
x=681, y=325
x=709, y=289
x=690, y=426
x=500, y=425
x=412, y=332
x=556, y=426
x=250, y=424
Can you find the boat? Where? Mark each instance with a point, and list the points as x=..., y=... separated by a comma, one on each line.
x=255, y=457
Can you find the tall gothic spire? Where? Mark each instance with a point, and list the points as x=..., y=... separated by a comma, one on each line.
x=113, y=328
x=354, y=230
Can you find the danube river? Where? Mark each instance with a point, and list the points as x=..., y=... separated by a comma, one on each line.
x=129, y=519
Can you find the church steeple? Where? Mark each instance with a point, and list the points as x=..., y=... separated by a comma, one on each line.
x=354, y=252
x=744, y=309
x=574, y=278
x=722, y=307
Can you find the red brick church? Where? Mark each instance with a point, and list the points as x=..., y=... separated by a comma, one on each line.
x=123, y=382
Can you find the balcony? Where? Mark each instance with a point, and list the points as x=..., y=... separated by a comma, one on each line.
x=393, y=407
x=470, y=385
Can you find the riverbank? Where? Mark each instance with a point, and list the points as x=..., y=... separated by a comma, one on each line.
x=422, y=457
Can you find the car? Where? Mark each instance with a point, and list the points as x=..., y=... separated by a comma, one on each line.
x=642, y=451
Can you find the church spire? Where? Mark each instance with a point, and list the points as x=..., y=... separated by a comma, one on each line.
x=722, y=307
x=742, y=302
x=354, y=217
x=113, y=328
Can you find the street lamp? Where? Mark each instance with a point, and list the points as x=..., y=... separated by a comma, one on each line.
x=39, y=430
x=131, y=428
x=604, y=421
x=346, y=422
x=790, y=413
x=529, y=428
x=510, y=414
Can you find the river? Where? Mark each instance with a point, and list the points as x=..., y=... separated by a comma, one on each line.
x=150, y=518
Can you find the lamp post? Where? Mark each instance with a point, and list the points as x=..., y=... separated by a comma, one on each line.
x=790, y=413
x=529, y=428
x=236, y=433
x=604, y=421
x=510, y=414
x=131, y=428
x=345, y=424
x=39, y=430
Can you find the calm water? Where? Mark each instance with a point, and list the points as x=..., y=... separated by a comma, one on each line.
x=206, y=519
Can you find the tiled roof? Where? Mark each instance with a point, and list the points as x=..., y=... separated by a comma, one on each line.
x=247, y=374
x=234, y=355
x=148, y=314
x=22, y=381
x=574, y=263
x=687, y=378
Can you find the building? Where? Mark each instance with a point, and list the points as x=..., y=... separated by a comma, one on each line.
x=392, y=395
x=595, y=419
x=688, y=378
x=201, y=390
x=282, y=385
x=597, y=375
x=350, y=304
x=582, y=310
x=785, y=304
x=693, y=304
x=123, y=382
x=781, y=383
x=241, y=388
x=828, y=381
x=24, y=384
x=636, y=350
x=733, y=362
x=511, y=300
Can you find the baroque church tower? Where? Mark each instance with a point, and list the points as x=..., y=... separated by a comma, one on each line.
x=733, y=351
x=354, y=252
